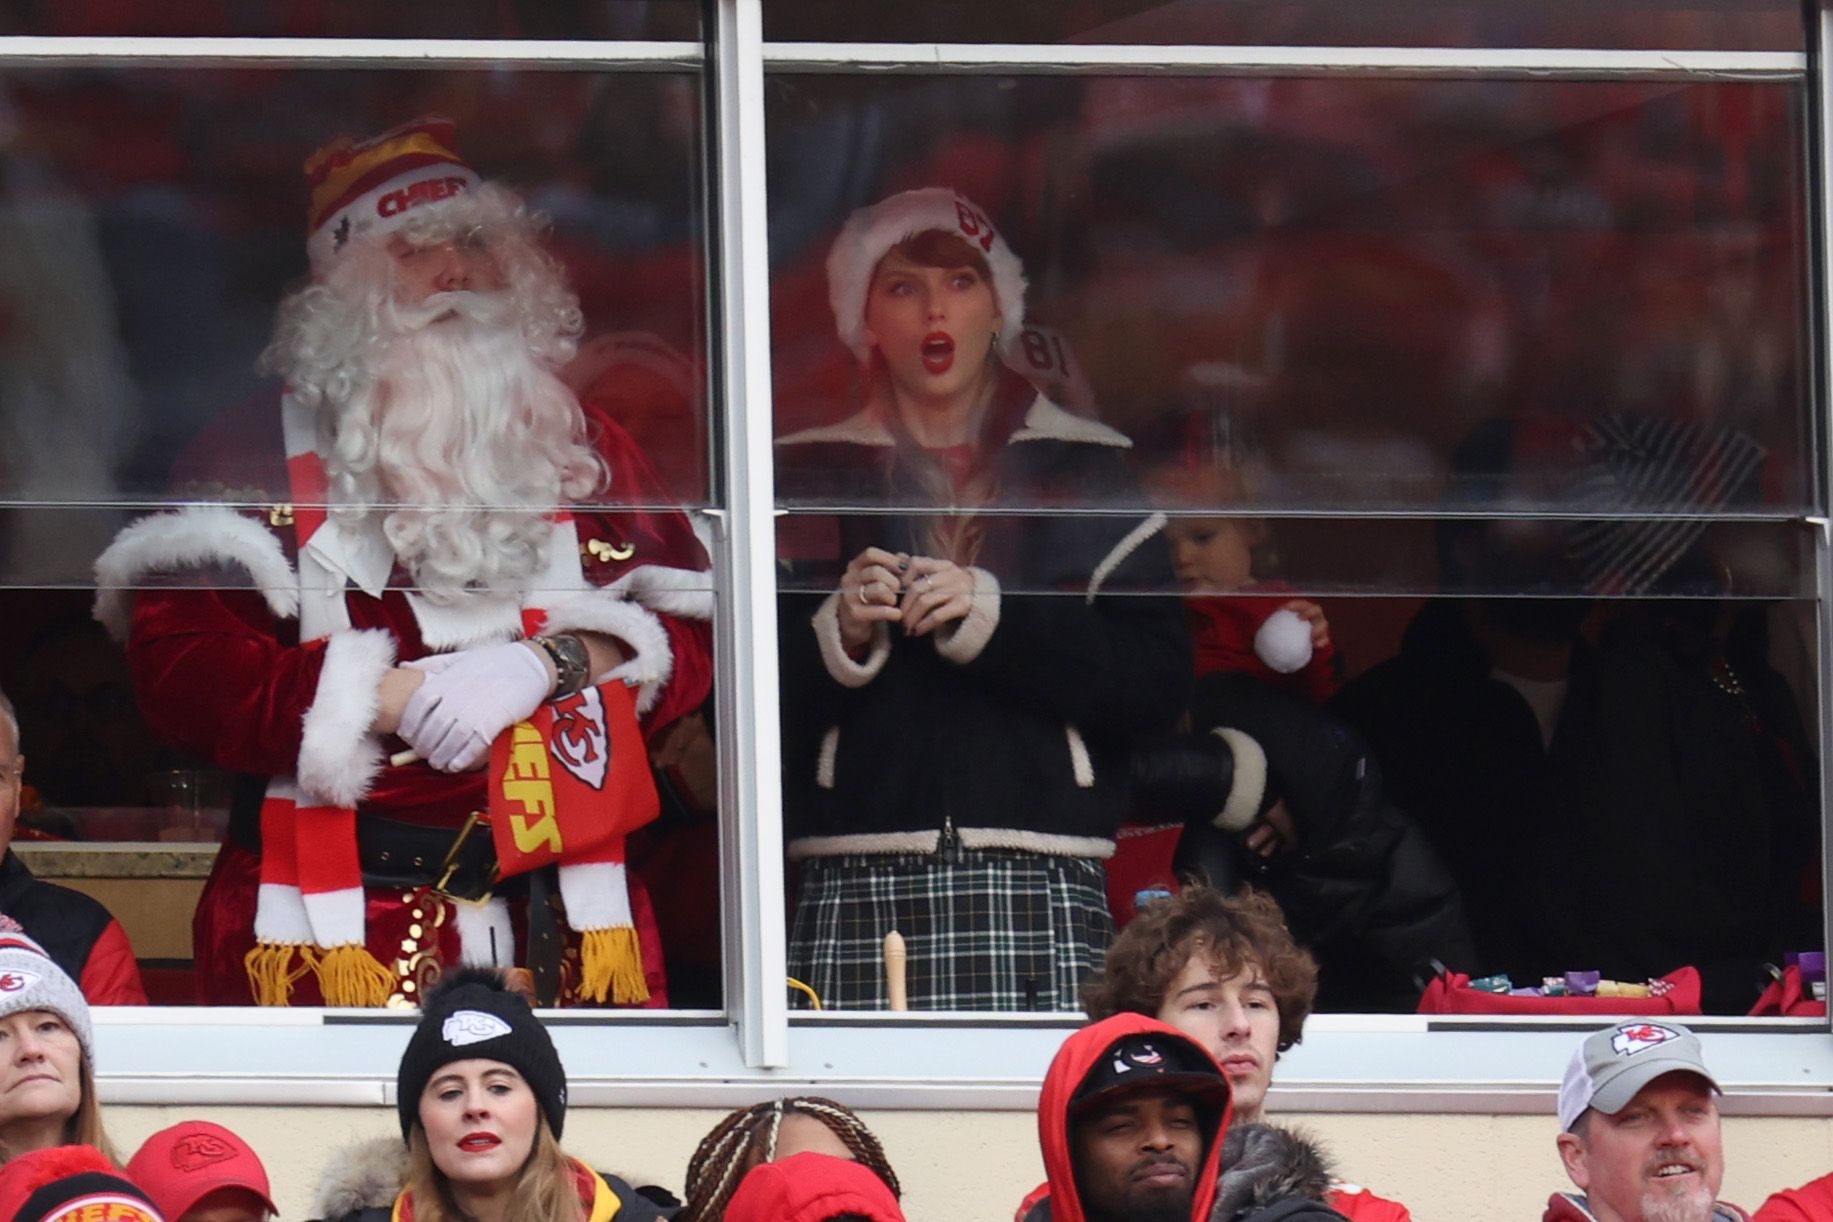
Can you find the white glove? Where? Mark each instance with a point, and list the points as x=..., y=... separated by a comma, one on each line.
x=469, y=698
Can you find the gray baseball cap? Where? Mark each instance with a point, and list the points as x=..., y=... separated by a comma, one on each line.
x=1611, y=1065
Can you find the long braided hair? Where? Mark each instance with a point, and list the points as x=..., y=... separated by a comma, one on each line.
x=748, y=1137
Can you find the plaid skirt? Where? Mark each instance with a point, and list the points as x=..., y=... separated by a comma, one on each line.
x=999, y=931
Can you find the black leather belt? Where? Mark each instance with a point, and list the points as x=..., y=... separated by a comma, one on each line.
x=458, y=862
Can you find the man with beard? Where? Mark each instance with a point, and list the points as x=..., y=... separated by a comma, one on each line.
x=1640, y=1130
x=433, y=566
x=1131, y=1119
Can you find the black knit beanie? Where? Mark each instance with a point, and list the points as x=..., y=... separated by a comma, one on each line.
x=471, y=1015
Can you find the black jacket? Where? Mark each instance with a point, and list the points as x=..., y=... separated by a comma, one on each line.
x=1270, y=1174
x=362, y=1181
x=1363, y=889
x=67, y=923
x=1015, y=726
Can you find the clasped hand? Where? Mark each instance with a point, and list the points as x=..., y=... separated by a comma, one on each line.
x=470, y=697
x=919, y=592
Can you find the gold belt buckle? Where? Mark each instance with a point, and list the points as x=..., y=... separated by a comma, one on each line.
x=449, y=866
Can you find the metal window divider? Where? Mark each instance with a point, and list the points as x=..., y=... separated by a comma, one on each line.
x=746, y=675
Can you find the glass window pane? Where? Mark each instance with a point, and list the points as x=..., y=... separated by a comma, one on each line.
x=156, y=218
x=1332, y=283
x=490, y=328
x=1440, y=387
x=1720, y=25
x=582, y=19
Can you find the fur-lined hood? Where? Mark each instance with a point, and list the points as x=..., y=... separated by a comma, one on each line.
x=1266, y=1165
x=368, y=1175
x=365, y=1175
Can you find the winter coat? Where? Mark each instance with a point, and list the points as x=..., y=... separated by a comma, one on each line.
x=1012, y=726
x=1363, y=889
x=1659, y=800
x=1073, y=1062
x=1812, y=1202
x=77, y=932
x=363, y=1184
x=1270, y=1174
x=1573, y=1207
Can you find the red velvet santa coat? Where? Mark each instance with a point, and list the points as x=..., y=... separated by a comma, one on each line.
x=213, y=640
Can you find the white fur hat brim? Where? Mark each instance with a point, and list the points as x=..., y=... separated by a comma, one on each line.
x=873, y=230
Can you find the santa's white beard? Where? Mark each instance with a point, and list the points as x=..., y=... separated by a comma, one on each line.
x=465, y=442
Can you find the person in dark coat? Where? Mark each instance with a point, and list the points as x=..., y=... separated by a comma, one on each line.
x=1620, y=785
x=1280, y=794
x=962, y=673
x=482, y=1095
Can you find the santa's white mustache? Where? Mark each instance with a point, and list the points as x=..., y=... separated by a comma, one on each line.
x=486, y=309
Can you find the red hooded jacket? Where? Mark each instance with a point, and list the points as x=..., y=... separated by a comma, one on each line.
x=1073, y=1061
x=812, y=1188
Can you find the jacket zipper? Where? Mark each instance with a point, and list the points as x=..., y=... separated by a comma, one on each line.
x=949, y=846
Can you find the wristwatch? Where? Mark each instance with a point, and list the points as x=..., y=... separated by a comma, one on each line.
x=572, y=665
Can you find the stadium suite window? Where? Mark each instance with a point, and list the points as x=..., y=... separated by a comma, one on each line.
x=139, y=295
x=1448, y=359
x=1295, y=379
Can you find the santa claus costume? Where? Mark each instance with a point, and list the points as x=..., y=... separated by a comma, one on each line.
x=429, y=495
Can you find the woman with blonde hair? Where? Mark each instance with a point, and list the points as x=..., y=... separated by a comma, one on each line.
x=482, y=1101
x=975, y=649
x=47, y=1055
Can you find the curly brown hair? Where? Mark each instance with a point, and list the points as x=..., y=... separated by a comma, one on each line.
x=1232, y=930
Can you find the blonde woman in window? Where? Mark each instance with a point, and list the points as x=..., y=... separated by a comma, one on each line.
x=962, y=668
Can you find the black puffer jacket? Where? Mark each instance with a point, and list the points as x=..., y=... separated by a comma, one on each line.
x=1014, y=726
x=1363, y=890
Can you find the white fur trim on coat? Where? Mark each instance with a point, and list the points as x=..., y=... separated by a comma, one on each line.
x=828, y=761
x=366, y=1175
x=962, y=641
x=1081, y=767
x=193, y=537
x=875, y=229
x=687, y=593
x=840, y=664
x=1250, y=784
x=485, y=936
x=1045, y=421
x=339, y=759
x=650, y=660
x=1126, y=547
x=1048, y=844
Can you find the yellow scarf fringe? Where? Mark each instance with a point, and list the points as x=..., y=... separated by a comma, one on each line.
x=351, y=976
x=611, y=966
x=275, y=967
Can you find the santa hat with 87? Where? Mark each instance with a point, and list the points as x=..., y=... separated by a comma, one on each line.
x=374, y=186
x=873, y=230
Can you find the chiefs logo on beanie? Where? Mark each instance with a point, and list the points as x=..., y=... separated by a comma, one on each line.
x=70, y=1184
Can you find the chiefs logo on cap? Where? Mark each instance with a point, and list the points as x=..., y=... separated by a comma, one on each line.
x=199, y=1150
x=14, y=982
x=1641, y=1037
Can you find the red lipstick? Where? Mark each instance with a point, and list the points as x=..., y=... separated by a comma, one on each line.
x=938, y=352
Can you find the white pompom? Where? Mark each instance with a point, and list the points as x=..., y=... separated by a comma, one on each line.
x=1284, y=641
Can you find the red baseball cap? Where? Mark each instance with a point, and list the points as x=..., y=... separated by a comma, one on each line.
x=178, y=1166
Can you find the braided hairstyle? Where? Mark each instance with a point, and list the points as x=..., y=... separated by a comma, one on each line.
x=748, y=1137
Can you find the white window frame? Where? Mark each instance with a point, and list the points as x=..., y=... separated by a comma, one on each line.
x=756, y=1047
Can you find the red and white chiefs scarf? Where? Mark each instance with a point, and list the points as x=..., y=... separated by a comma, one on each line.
x=309, y=914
